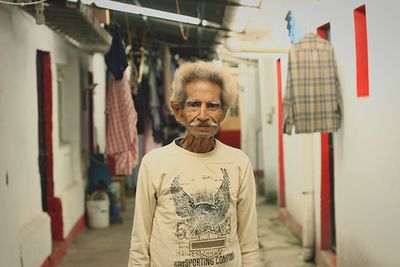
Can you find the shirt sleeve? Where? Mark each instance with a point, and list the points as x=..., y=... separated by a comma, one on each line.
x=145, y=203
x=247, y=219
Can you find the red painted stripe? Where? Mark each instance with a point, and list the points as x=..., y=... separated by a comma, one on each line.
x=360, y=27
x=48, y=102
x=54, y=204
x=57, y=223
x=282, y=202
x=325, y=193
x=60, y=248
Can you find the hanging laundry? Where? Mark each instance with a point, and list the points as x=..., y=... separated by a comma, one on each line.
x=134, y=78
x=167, y=76
x=312, y=101
x=121, y=134
x=292, y=27
x=155, y=105
x=141, y=104
x=116, y=59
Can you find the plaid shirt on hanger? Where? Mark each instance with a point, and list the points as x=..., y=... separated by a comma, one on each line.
x=312, y=101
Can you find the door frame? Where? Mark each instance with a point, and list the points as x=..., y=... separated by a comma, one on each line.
x=328, y=226
x=282, y=198
x=50, y=203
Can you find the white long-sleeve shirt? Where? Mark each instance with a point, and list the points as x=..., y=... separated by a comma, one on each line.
x=195, y=209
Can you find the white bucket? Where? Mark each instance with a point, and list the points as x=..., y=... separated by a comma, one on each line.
x=98, y=210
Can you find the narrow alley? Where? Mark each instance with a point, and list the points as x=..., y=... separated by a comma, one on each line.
x=203, y=112
x=109, y=247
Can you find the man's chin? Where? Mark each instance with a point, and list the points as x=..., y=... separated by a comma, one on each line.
x=204, y=132
x=204, y=135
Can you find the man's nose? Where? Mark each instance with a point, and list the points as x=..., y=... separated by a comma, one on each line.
x=203, y=113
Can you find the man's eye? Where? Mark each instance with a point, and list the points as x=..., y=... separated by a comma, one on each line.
x=193, y=104
x=213, y=105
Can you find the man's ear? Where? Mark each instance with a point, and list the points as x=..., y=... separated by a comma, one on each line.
x=177, y=109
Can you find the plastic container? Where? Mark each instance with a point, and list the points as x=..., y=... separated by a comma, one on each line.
x=98, y=210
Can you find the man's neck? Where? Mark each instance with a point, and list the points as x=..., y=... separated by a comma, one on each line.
x=197, y=145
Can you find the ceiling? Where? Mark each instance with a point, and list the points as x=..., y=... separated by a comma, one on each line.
x=263, y=25
x=151, y=32
x=75, y=23
x=80, y=24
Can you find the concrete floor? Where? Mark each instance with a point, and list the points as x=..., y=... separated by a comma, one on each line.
x=109, y=247
x=278, y=246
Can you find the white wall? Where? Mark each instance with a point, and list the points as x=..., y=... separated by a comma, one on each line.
x=85, y=65
x=293, y=147
x=68, y=176
x=366, y=160
x=367, y=164
x=9, y=250
x=66, y=155
x=247, y=94
x=99, y=120
x=267, y=94
x=19, y=142
x=27, y=225
x=298, y=152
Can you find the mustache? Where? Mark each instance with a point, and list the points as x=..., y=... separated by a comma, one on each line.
x=203, y=124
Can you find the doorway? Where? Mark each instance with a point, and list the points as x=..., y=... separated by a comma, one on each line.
x=328, y=224
x=50, y=204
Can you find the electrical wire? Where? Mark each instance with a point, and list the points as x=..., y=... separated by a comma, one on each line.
x=22, y=3
x=185, y=35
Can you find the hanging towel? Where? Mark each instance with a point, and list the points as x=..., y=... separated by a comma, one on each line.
x=121, y=133
x=313, y=101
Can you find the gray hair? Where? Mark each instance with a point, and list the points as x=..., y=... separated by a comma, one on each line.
x=201, y=70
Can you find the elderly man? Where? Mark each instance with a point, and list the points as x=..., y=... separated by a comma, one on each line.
x=195, y=200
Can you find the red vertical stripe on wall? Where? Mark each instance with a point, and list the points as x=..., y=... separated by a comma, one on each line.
x=54, y=204
x=326, y=226
x=325, y=193
x=360, y=27
x=48, y=106
x=282, y=202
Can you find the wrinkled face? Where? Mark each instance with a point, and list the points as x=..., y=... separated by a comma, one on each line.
x=202, y=112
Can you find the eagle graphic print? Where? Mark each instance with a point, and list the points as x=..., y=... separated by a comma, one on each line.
x=203, y=224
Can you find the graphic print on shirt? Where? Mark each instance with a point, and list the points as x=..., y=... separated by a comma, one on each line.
x=203, y=222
